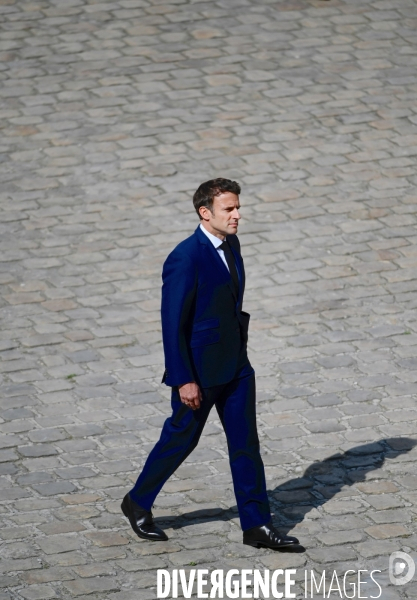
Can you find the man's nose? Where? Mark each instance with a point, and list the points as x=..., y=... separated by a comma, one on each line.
x=236, y=214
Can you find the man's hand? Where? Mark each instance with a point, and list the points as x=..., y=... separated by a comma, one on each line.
x=190, y=395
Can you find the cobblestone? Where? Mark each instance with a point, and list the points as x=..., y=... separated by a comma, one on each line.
x=112, y=113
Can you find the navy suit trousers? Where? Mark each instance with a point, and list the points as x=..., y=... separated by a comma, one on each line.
x=235, y=405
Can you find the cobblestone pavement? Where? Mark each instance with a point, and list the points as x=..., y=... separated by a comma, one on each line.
x=111, y=114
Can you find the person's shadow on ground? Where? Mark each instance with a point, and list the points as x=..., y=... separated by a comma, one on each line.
x=319, y=483
x=322, y=480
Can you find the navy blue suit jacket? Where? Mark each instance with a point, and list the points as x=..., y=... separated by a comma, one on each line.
x=203, y=326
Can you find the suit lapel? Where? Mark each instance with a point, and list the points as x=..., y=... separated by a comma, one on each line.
x=209, y=247
x=240, y=272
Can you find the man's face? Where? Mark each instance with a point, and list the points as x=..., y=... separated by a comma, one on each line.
x=223, y=218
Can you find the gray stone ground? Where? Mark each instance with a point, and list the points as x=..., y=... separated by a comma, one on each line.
x=111, y=114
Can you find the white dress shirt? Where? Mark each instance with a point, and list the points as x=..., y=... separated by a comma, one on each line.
x=216, y=243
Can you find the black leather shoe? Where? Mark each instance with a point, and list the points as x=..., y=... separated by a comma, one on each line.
x=266, y=536
x=142, y=521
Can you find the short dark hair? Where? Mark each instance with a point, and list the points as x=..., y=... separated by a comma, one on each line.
x=208, y=190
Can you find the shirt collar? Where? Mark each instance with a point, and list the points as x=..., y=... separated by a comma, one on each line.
x=213, y=239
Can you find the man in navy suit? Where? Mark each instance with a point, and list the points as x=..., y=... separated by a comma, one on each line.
x=205, y=334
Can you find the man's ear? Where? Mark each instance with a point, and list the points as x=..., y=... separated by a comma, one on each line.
x=204, y=213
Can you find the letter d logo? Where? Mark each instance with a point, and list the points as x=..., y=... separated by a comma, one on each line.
x=398, y=572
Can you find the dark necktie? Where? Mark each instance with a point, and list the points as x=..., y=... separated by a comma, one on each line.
x=228, y=254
